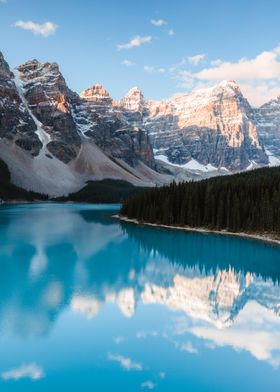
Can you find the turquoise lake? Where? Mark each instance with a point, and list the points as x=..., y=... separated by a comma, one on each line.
x=91, y=304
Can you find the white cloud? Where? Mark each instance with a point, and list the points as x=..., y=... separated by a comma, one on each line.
x=127, y=63
x=258, y=93
x=149, y=68
x=256, y=331
x=258, y=77
x=158, y=22
x=32, y=371
x=265, y=66
x=216, y=62
x=196, y=59
x=171, y=32
x=44, y=29
x=125, y=363
x=152, y=69
x=148, y=385
x=188, y=347
x=187, y=79
x=135, y=42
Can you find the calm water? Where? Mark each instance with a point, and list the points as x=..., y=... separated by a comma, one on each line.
x=90, y=304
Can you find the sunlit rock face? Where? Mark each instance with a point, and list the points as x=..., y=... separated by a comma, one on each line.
x=99, y=119
x=134, y=106
x=268, y=120
x=50, y=100
x=97, y=94
x=64, y=119
x=16, y=124
x=214, y=126
x=133, y=100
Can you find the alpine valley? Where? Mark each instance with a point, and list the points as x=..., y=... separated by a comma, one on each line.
x=54, y=141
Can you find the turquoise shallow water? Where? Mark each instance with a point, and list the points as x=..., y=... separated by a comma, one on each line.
x=91, y=304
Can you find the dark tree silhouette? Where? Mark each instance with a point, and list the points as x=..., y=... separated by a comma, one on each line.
x=248, y=202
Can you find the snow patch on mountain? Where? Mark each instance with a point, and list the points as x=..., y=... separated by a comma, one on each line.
x=43, y=136
x=191, y=165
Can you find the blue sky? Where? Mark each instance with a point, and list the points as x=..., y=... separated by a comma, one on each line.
x=162, y=46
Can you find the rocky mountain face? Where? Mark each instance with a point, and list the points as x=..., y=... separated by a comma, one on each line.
x=99, y=119
x=268, y=124
x=66, y=117
x=208, y=130
x=50, y=100
x=16, y=124
x=54, y=140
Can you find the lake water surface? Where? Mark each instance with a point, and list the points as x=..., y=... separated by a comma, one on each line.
x=91, y=304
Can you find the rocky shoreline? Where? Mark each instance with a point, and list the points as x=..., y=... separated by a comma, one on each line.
x=257, y=236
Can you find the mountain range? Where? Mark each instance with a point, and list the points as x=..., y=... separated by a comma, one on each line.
x=54, y=140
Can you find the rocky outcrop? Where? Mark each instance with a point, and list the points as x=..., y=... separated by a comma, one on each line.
x=50, y=100
x=97, y=94
x=99, y=119
x=54, y=141
x=16, y=124
x=58, y=139
x=268, y=124
x=214, y=126
x=134, y=106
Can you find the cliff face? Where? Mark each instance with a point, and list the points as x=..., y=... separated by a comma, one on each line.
x=196, y=135
x=50, y=100
x=54, y=140
x=16, y=124
x=268, y=123
x=99, y=119
x=213, y=126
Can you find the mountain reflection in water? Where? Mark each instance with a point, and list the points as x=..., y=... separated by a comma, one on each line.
x=54, y=258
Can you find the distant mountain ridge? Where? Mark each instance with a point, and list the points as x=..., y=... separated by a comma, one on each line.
x=55, y=140
x=208, y=130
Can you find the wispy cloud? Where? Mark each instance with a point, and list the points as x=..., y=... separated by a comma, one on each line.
x=265, y=66
x=44, y=29
x=125, y=362
x=149, y=68
x=188, y=347
x=3, y=1
x=196, y=59
x=127, y=63
x=258, y=77
x=135, y=42
x=171, y=32
x=152, y=69
x=32, y=371
x=158, y=22
x=216, y=62
x=256, y=330
x=148, y=385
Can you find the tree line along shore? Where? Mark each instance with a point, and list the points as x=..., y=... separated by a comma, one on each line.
x=245, y=202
